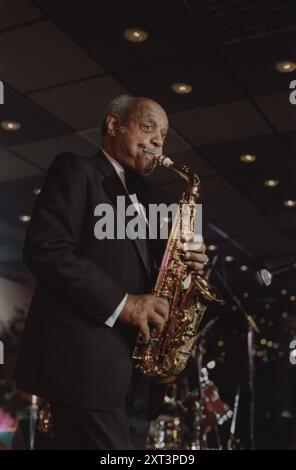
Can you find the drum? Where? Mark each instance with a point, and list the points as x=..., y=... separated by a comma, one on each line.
x=165, y=433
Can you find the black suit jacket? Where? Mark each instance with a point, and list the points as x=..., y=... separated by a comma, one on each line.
x=68, y=354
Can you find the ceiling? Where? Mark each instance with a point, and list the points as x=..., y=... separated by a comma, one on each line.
x=62, y=61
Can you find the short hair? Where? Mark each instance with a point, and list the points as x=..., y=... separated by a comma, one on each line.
x=117, y=106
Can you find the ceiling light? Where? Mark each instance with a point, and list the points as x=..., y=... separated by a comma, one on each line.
x=229, y=258
x=267, y=306
x=284, y=291
x=10, y=125
x=211, y=365
x=285, y=66
x=182, y=88
x=24, y=218
x=246, y=295
x=36, y=191
x=289, y=203
x=247, y=158
x=135, y=34
x=271, y=183
x=212, y=247
x=284, y=315
x=244, y=267
x=292, y=298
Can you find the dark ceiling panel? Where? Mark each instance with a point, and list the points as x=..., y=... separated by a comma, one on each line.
x=52, y=7
x=279, y=110
x=239, y=21
x=43, y=152
x=13, y=167
x=222, y=123
x=99, y=30
x=81, y=105
x=273, y=161
x=36, y=123
x=212, y=85
x=44, y=44
x=253, y=62
x=17, y=12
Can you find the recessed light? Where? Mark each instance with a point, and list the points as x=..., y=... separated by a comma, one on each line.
x=289, y=203
x=36, y=191
x=10, y=125
x=246, y=295
x=267, y=306
x=272, y=183
x=247, y=158
x=292, y=298
x=24, y=218
x=284, y=315
x=285, y=66
x=212, y=247
x=182, y=88
x=244, y=267
x=284, y=291
x=211, y=365
x=229, y=258
x=135, y=34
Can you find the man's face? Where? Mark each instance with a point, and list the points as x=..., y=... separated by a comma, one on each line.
x=144, y=128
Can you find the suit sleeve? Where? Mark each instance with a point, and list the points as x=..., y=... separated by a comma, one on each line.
x=51, y=245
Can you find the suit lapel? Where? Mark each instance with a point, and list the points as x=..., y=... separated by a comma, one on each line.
x=114, y=188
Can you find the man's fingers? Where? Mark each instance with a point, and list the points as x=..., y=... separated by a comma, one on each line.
x=199, y=247
x=156, y=320
x=197, y=257
x=145, y=332
x=198, y=267
x=161, y=307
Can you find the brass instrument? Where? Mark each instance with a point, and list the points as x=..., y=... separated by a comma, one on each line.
x=165, y=356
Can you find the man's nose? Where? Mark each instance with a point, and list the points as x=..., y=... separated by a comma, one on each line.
x=157, y=139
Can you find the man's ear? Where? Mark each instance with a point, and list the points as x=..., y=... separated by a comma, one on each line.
x=112, y=124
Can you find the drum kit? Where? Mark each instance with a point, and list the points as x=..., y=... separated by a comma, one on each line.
x=189, y=418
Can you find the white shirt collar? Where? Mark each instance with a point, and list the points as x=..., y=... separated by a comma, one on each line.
x=116, y=165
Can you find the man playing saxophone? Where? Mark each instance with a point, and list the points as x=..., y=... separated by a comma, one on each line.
x=93, y=296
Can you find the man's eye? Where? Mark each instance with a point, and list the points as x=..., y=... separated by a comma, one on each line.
x=147, y=127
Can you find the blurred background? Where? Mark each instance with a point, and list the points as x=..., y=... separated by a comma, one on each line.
x=222, y=70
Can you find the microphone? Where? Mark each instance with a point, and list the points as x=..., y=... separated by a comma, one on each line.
x=265, y=277
x=211, y=267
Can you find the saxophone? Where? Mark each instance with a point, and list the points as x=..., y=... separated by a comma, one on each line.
x=165, y=356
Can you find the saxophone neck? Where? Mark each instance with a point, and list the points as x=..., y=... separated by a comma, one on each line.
x=191, y=178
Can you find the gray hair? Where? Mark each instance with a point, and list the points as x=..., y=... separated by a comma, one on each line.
x=117, y=106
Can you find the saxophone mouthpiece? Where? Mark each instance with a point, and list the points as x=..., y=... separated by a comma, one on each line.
x=161, y=160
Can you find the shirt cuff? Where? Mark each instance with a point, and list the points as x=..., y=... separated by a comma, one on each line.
x=112, y=319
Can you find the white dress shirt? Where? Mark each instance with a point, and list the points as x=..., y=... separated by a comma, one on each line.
x=141, y=210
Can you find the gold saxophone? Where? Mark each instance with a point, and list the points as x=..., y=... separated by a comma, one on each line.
x=165, y=356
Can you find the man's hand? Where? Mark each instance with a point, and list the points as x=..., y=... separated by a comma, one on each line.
x=195, y=255
x=142, y=311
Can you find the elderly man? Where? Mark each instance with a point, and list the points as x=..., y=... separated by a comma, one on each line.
x=92, y=295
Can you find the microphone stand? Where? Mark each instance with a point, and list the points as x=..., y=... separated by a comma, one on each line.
x=33, y=410
x=250, y=342
x=200, y=350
